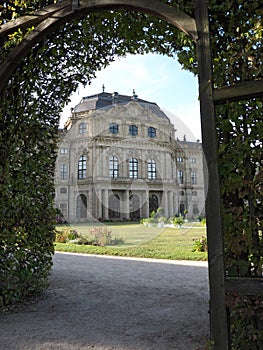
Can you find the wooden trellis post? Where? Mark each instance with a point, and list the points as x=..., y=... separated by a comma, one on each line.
x=218, y=317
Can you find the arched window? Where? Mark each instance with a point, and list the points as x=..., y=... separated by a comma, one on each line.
x=81, y=206
x=133, y=130
x=151, y=169
x=133, y=168
x=82, y=168
x=153, y=203
x=114, y=206
x=151, y=132
x=63, y=190
x=114, y=167
x=82, y=128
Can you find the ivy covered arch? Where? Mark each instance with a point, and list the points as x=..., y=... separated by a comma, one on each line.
x=13, y=78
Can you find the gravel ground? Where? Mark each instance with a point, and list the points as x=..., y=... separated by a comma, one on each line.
x=106, y=303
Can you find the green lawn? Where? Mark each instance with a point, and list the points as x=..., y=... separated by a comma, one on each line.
x=141, y=241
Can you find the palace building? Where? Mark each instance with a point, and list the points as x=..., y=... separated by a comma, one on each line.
x=119, y=159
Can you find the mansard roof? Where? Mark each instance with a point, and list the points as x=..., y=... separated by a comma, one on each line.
x=106, y=101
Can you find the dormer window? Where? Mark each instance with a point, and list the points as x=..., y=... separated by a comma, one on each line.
x=133, y=130
x=114, y=128
x=82, y=128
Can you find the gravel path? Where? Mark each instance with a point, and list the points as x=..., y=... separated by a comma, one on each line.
x=105, y=303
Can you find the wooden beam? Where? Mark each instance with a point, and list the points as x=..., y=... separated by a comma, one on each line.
x=157, y=8
x=65, y=14
x=244, y=286
x=13, y=60
x=32, y=19
x=218, y=316
x=170, y=14
x=240, y=91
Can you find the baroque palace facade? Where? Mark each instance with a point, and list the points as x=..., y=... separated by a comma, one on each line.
x=118, y=159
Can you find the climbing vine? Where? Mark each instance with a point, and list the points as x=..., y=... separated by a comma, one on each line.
x=42, y=85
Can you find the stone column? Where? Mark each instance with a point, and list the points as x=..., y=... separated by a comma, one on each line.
x=165, y=204
x=99, y=194
x=146, y=203
x=106, y=204
x=126, y=204
x=171, y=204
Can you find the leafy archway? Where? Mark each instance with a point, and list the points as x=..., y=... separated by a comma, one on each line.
x=50, y=63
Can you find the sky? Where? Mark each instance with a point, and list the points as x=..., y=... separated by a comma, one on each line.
x=154, y=78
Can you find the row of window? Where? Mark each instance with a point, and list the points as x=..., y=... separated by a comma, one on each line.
x=113, y=168
x=114, y=129
x=182, y=193
x=151, y=133
x=180, y=177
x=133, y=170
x=181, y=160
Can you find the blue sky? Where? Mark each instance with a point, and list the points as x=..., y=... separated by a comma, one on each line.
x=154, y=78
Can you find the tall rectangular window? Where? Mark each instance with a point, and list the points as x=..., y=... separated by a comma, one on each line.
x=82, y=167
x=82, y=128
x=193, y=178
x=151, y=169
x=133, y=168
x=180, y=176
x=63, y=172
x=114, y=167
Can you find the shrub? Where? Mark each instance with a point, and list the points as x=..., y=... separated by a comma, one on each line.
x=178, y=220
x=148, y=221
x=160, y=211
x=153, y=214
x=200, y=245
x=101, y=236
x=246, y=317
x=162, y=219
x=67, y=234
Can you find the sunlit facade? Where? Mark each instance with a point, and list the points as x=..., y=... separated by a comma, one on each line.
x=119, y=159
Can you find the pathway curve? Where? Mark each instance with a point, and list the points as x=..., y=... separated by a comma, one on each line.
x=105, y=303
